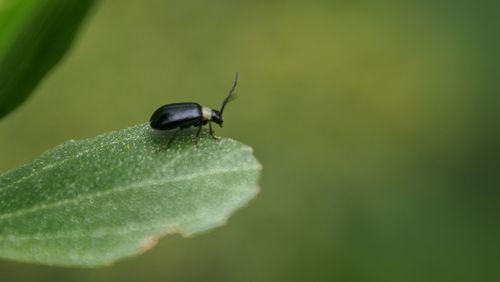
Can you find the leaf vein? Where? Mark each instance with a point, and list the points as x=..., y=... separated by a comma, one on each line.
x=56, y=164
x=98, y=194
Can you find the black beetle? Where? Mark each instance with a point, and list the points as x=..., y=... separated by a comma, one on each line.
x=184, y=115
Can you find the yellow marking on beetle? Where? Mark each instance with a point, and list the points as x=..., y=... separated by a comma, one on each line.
x=206, y=113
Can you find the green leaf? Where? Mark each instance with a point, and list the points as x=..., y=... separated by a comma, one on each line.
x=91, y=202
x=34, y=35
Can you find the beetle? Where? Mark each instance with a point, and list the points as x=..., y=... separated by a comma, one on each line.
x=184, y=115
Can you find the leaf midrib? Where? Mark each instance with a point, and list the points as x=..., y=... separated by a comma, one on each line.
x=59, y=163
x=118, y=189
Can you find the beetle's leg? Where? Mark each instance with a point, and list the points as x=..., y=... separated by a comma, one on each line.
x=212, y=131
x=173, y=137
x=198, y=134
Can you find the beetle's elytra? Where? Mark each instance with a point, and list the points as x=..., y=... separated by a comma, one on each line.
x=184, y=115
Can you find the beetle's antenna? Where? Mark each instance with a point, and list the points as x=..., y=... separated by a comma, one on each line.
x=230, y=95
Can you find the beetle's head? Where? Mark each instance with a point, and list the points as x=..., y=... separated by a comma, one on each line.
x=217, y=117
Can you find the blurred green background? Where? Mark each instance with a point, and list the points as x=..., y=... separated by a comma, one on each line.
x=378, y=126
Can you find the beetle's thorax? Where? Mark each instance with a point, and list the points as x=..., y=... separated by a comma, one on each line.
x=206, y=113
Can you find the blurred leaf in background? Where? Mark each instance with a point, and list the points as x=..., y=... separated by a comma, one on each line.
x=34, y=35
